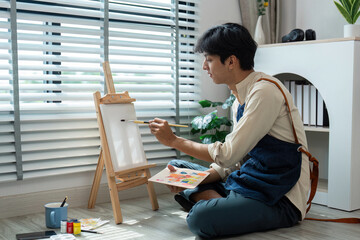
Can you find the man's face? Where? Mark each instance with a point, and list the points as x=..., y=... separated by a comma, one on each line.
x=216, y=70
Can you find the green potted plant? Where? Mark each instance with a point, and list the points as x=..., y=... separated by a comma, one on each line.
x=211, y=127
x=349, y=9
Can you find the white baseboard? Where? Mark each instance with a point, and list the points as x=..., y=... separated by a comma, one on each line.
x=23, y=204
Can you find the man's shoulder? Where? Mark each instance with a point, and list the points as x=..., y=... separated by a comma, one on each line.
x=264, y=85
x=266, y=89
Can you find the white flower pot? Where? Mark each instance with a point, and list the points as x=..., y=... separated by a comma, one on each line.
x=352, y=30
x=259, y=35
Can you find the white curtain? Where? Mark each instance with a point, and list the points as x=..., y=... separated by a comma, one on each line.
x=271, y=19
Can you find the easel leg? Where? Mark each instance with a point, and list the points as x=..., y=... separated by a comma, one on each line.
x=115, y=202
x=151, y=191
x=96, y=182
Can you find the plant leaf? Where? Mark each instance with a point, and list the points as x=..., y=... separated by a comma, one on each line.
x=207, y=139
x=356, y=17
x=208, y=119
x=228, y=102
x=208, y=103
x=205, y=103
x=220, y=135
x=343, y=12
x=194, y=131
x=202, y=122
x=215, y=123
x=354, y=10
x=226, y=121
x=197, y=122
x=203, y=131
x=346, y=4
x=215, y=104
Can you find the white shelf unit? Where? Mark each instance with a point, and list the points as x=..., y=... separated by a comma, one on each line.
x=316, y=129
x=332, y=67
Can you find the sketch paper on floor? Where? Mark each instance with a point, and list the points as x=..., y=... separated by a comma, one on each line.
x=182, y=177
x=92, y=223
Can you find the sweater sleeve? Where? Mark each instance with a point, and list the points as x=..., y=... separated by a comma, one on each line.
x=224, y=172
x=263, y=105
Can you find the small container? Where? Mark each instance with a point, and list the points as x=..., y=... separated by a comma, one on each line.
x=76, y=227
x=69, y=226
x=63, y=226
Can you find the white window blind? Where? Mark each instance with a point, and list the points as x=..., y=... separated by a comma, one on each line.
x=189, y=64
x=59, y=49
x=141, y=53
x=7, y=139
x=61, y=46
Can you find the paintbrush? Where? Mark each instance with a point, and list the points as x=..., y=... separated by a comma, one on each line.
x=145, y=122
x=63, y=202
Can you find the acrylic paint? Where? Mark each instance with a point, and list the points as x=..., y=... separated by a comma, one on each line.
x=69, y=226
x=76, y=227
x=63, y=226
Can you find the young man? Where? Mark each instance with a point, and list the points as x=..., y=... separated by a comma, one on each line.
x=259, y=180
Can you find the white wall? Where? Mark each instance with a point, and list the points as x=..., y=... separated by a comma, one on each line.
x=322, y=16
x=319, y=15
x=215, y=12
x=287, y=16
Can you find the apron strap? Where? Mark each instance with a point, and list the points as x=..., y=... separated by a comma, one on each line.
x=314, y=171
x=287, y=105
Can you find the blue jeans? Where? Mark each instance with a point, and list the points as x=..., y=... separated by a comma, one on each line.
x=234, y=214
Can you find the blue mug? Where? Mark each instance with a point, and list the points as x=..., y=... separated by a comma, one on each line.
x=54, y=214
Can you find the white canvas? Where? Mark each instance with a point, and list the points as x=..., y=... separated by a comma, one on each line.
x=124, y=139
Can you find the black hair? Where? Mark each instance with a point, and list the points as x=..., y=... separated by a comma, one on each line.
x=226, y=40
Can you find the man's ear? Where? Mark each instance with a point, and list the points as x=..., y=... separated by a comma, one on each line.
x=232, y=61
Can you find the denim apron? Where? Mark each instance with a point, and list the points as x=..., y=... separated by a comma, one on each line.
x=271, y=171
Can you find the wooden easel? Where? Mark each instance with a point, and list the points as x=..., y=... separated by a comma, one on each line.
x=121, y=180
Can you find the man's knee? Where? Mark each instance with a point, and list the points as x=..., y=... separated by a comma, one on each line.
x=199, y=221
x=176, y=163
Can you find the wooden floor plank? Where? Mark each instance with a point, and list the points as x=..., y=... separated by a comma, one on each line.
x=140, y=222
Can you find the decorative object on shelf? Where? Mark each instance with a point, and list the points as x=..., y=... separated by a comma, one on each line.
x=294, y=36
x=259, y=35
x=298, y=34
x=349, y=9
x=351, y=30
x=310, y=35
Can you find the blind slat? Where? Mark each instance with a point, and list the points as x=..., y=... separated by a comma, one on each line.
x=37, y=146
x=142, y=19
x=37, y=29
x=59, y=10
x=78, y=3
x=62, y=153
x=59, y=19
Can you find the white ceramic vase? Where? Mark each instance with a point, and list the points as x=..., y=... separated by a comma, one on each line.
x=259, y=35
x=352, y=30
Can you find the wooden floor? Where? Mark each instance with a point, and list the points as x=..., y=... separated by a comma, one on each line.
x=168, y=223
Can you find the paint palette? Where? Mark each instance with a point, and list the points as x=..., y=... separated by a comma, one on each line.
x=182, y=177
